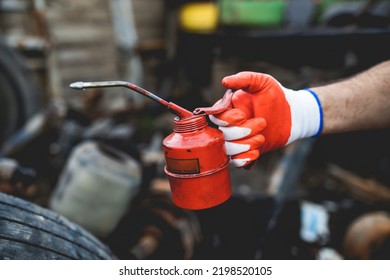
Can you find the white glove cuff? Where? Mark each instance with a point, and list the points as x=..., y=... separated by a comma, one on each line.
x=306, y=114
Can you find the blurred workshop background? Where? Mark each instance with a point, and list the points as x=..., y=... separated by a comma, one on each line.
x=82, y=172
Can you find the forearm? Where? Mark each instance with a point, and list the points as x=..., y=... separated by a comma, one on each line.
x=358, y=103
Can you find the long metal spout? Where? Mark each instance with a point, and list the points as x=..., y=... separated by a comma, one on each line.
x=172, y=107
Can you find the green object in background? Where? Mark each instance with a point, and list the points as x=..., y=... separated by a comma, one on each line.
x=267, y=13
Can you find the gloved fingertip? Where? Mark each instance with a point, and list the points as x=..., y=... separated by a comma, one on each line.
x=239, y=162
x=231, y=133
x=226, y=81
x=234, y=81
x=217, y=121
x=236, y=148
x=246, y=80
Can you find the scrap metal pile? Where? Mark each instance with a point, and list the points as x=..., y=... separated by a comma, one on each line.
x=82, y=182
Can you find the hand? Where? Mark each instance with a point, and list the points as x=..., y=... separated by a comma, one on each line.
x=265, y=116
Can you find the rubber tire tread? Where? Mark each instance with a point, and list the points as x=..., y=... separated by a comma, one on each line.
x=30, y=232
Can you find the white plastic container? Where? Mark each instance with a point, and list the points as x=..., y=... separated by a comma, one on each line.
x=96, y=187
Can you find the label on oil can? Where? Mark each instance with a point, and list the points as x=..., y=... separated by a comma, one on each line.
x=183, y=166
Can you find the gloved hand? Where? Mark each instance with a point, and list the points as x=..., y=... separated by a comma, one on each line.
x=265, y=116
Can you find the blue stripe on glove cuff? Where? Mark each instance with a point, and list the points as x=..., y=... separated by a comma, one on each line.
x=321, y=112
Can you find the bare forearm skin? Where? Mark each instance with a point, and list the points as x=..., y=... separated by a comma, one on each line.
x=358, y=103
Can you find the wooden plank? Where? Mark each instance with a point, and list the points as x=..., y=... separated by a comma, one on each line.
x=79, y=34
x=149, y=19
x=83, y=38
x=71, y=56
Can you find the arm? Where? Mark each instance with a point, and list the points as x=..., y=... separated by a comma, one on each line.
x=266, y=116
x=358, y=103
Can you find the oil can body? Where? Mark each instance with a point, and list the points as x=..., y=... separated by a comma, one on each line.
x=197, y=164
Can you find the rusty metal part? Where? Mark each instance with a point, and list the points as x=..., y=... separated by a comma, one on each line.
x=16, y=179
x=219, y=107
x=35, y=127
x=366, y=234
x=154, y=228
x=148, y=243
x=367, y=190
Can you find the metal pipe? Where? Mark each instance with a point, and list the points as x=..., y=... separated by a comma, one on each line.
x=175, y=109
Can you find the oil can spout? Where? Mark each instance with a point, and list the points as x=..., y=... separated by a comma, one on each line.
x=172, y=107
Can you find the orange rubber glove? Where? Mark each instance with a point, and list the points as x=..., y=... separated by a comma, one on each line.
x=265, y=116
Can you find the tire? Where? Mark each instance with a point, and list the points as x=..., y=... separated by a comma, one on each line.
x=30, y=232
x=19, y=98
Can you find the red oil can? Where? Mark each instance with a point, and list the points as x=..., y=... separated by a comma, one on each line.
x=195, y=155
x=196, y=164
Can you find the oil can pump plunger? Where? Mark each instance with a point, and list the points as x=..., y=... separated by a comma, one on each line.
x=195, y=155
